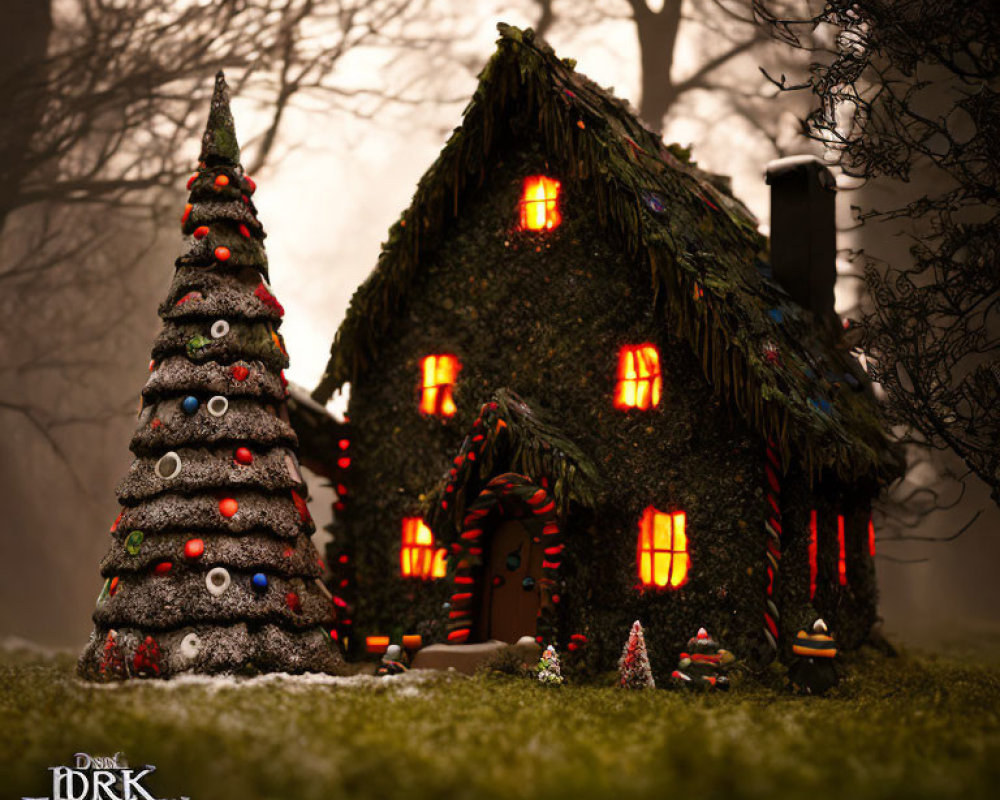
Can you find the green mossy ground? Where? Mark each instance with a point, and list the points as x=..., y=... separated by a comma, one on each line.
x=908, y=727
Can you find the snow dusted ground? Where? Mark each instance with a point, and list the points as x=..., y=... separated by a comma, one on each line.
x=910, y=727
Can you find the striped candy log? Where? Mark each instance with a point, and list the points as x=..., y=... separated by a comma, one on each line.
x=772, y=526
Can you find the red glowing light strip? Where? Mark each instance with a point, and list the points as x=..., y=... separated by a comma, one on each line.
x=813, y=549
x=842, y=555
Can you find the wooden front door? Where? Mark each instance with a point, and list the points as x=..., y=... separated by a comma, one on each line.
x=512, y=593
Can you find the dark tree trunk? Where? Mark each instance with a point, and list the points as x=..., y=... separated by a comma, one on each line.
x=657, y=32
x=24, y=40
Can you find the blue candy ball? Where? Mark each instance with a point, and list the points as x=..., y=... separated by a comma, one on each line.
x=190, y=404
x=259, y=580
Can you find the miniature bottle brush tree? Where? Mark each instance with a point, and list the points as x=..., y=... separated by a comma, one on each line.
x=211, y=567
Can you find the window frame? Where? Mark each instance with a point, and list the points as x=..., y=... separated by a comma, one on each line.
x=437, y=395
x=633, y=390
x=421, y=560
x=550, y=213
x=649, y=547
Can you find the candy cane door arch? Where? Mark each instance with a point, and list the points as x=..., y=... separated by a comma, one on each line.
x=511, y=584
x=512, y=515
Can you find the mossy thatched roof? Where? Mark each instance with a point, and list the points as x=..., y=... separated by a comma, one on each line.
x=789, y=377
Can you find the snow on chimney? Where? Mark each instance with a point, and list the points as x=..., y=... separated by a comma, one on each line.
x=804, y=232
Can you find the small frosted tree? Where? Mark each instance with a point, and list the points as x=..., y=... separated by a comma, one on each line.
x=633, y=667
x=549, y=671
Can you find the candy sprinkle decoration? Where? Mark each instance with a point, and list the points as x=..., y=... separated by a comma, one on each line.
x=190, y=404
x=193, y=548
x=243, y=456
x=133, y=544
x=228, y=507
x=217, y=581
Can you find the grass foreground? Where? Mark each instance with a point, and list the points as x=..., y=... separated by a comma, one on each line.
x=905, y=727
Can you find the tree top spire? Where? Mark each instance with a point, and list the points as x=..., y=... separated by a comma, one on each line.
x=219, y=144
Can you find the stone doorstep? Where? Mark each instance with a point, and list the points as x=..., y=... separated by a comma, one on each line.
x=466, y=658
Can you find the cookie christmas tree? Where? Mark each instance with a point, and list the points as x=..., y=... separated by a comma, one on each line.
x=211, y=567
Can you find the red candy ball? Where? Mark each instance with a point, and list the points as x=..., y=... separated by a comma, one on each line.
x=245, y=231
x=293, y=602
x=201, y=232
x=240, y=373
x=222, y=180
x=250, y=183
x=187, y=212
x=222, y=253
x=228, y=507
x=243, y=456
x=191, y=180
x=163, y=568
x=194, y=548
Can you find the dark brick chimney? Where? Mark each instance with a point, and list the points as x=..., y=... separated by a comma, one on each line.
x=804, y=231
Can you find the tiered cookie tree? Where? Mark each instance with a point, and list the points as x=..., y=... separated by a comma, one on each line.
x=211, y=567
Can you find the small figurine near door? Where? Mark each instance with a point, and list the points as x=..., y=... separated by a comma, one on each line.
x=705, y=664
x=392, y=662
x=813, y=670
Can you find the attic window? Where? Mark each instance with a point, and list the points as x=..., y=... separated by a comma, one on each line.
x=438, y=374
x=540, y=204
x=663, y=553
x=639, y=378
x=418, y=558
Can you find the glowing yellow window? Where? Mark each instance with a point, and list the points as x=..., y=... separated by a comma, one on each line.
x=438, y=375
x=639, y=378
x=540, y=204
x=663, y=553
x=418, y=557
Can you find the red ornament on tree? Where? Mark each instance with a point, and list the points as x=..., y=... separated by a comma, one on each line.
x=187, y=212
x=201, y=232
x=191, y=180
x=245, y=231
x=293, y=602
x=163, y=568
x=250, y=183
x=228, y=507
x=221, y=180
x=193, y=548
x=222, y=253
x=243, y=456
x=240, y=372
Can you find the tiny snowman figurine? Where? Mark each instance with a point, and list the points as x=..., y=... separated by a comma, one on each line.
x=813, y=670
x=548, y=669
x=705, y=664
x=392, y=662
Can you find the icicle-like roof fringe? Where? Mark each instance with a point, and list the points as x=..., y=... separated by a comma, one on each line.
x=761, y=351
